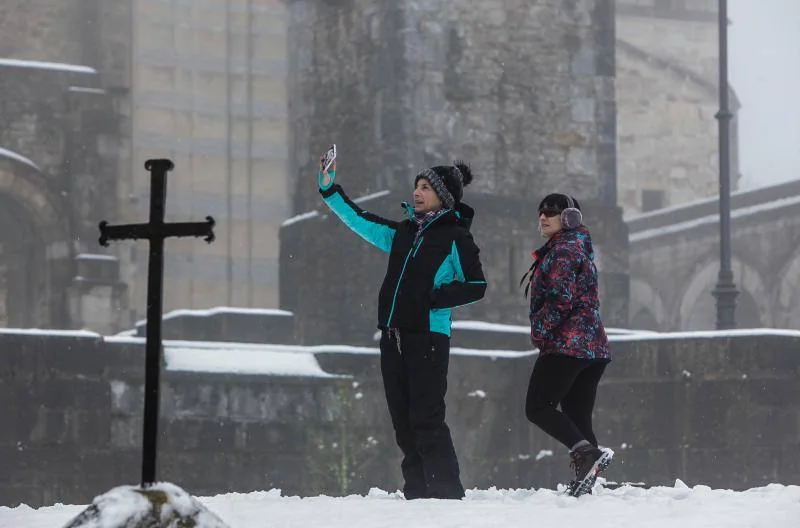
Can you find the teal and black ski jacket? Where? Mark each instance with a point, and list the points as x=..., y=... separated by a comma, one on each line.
x=425, y=279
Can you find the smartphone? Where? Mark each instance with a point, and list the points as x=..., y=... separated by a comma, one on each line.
x=330, y=157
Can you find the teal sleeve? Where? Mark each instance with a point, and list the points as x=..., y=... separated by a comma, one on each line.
x=374, y=229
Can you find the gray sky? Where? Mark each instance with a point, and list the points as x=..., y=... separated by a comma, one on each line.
x=764, y=62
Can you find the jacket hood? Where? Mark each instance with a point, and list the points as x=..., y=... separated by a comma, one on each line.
x=578, y=239
x=581, y=239
x=465, y=214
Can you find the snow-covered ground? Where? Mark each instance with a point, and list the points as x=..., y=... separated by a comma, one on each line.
x=773, y=506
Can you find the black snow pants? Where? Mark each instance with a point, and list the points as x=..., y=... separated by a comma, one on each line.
x=414, y=369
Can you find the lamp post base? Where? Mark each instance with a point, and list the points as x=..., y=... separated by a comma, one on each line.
x=726, y=293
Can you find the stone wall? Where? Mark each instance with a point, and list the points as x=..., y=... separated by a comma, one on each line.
x=667, y=97
x=524, y=93
x=48, y=31
x=64, y=141
x=667, y=134
x=210, y=93
x=57, y=120
x=675, y=262
x=721, y=411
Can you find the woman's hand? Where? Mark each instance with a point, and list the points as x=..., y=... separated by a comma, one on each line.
x=326, y=177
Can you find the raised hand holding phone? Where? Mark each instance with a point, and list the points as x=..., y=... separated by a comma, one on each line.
x=327, y=168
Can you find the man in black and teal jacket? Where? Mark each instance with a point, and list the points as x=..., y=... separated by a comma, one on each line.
x=434, y=266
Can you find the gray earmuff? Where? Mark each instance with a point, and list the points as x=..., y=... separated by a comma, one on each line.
x=571, y=217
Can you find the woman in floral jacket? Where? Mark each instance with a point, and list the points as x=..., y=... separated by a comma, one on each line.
x=572, y=343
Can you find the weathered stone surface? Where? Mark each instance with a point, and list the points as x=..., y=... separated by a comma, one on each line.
x=162, y=505
x=441, y=80
x=62, y=141
x=529, y=94
x=667, y=97
x=521, y=92
x=675, y=262
x=717, y=411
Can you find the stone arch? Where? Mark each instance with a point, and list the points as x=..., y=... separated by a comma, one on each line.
x=697, y=307
x=647, y=311
x=787, y=294
x=21, y=179
x=34, y=246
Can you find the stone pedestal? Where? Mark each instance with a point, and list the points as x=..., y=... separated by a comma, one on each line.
x=97, y=295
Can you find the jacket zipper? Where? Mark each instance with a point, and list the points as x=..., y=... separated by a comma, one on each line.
x=411, y=252
x=419, y=245
x=397, y=288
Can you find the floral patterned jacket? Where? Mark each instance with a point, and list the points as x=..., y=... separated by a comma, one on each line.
x=565, y=309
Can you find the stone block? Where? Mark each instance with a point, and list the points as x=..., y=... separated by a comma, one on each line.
x=283, y=438
x=126, y=433
x=70, y=356
x=197, y=435
x=162, y=504
x=66, y=393
x=126, y=399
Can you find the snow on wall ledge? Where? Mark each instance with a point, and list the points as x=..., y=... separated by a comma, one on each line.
x=296, y=360
x=19, y=158
x=184, y=312
x=42, y=65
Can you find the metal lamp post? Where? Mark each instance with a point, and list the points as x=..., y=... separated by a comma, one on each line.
x=725, y=290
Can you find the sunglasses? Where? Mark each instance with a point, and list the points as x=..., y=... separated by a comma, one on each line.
x=549, y=212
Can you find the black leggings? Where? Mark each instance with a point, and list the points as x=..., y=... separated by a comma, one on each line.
x=572, y=382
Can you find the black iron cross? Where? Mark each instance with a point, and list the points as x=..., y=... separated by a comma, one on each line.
x=155, y=231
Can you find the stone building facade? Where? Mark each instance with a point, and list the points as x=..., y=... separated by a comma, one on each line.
x=675, y=262
x=209, y=92
x=63, y=73
x=525, y=93
x=667, y=99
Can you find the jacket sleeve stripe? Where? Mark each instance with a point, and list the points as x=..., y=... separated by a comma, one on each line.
x=469, y=285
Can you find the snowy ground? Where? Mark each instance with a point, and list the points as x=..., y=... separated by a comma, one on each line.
x=773, y=506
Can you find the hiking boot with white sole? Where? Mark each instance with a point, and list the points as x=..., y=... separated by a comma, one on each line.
x=588, y=463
